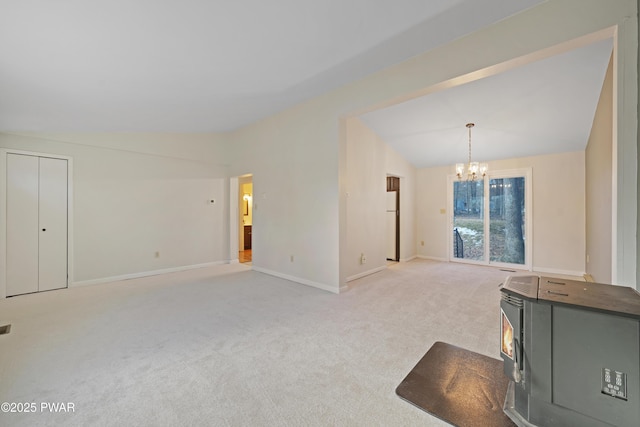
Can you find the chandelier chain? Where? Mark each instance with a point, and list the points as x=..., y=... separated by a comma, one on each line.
x=469, y=126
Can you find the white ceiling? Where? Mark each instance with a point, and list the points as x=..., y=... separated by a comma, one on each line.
x=543, y=107
x=211, y=65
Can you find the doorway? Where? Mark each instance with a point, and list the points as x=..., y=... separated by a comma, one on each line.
x=393, y=218
x=245, y=218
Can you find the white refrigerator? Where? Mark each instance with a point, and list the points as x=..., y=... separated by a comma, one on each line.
x=392, y=215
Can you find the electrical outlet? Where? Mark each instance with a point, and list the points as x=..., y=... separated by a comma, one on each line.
x=157, y=254
x=363, y=259
x=291, y=258
x=421, y=242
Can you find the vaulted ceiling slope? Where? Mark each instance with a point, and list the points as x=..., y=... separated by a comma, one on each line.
x=203, y=65
x=544, y=107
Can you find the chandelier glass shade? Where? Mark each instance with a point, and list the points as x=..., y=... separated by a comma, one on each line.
x=472, y=170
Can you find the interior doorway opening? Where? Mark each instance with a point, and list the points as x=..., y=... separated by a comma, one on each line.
x=245, y=218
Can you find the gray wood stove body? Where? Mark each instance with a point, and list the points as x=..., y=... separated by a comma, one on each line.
x=572, y=352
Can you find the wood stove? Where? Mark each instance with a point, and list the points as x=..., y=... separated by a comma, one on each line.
x=571, y=351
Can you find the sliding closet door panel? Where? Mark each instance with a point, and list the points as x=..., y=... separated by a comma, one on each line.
x=53, y=224
x=22, y=224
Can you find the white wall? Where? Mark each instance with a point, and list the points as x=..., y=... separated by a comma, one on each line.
x=558, y=211
x=199, y=147
x=432, y=212
x=128, y=205
x=299, y=156
x=366, y=193
x=293, y=161
x=397, y=165
x=559, y=241
x=599, y=175
x=369, y=161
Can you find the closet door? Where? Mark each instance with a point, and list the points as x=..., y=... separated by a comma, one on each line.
x=36, y=224
x=52, y=204
x=22, y=224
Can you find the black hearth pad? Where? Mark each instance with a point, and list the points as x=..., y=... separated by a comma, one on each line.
x=463, y=388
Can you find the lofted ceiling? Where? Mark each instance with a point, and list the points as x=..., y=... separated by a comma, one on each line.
x=212, y=65
x=543, y=107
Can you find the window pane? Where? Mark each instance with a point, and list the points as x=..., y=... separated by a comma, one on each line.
x=468, y=220
x=507, y=220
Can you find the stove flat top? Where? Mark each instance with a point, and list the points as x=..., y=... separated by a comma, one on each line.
x=619, y=300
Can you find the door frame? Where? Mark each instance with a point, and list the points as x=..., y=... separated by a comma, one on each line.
x=234, y=215
x=234, y=240
x=243, y=179
x=3, y=213
x=528, y=203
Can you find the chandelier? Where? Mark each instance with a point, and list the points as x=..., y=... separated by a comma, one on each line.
x=473, y=169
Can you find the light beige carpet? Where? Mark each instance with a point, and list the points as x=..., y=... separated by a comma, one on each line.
x=227, y=346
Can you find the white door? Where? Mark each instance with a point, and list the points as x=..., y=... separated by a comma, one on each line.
x=53, y=224
x=22, y=224
x=36, y=224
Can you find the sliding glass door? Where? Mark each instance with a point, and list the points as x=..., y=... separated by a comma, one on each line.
x=490, y=219
x=507, y=220
x=468, y=220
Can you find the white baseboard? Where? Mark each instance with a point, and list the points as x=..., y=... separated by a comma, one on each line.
x=432, y=258
x=408, y=259
x=297, y=279
x=559, y=272
x=366, y=273
x=556, y=271
x=143, y=274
